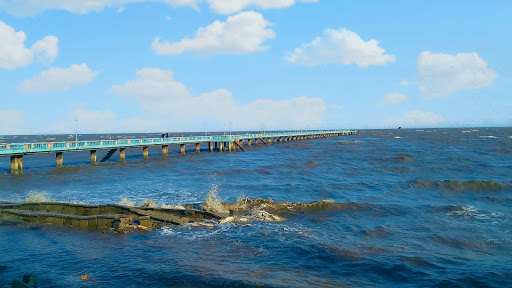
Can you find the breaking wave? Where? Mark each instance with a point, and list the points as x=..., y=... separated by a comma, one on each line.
x=463, y=186
x=37, y=197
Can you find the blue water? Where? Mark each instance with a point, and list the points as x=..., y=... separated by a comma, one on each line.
x=403, y=225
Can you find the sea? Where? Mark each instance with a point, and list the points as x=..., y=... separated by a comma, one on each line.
x=403, y=208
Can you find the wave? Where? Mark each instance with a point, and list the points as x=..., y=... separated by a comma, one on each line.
x=311, y=164
x=452, y=242
x=378, y=232
x=283, y=208
x=36, y=197
x=467, y=212
x=464, y=186
x=401, y=157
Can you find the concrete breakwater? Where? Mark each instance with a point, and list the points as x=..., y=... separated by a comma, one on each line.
x=113, y=217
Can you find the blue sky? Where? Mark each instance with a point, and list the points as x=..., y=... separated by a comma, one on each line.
x=196, y=65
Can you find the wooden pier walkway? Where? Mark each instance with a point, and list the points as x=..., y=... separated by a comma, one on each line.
x=215, y=143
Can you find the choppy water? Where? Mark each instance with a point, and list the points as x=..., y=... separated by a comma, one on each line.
x=430, y=209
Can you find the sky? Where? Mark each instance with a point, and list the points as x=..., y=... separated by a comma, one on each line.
x=118, y=66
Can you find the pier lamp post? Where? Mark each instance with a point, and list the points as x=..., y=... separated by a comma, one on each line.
x=76, y=129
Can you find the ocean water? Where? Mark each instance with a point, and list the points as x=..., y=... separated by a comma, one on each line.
x=432, y=208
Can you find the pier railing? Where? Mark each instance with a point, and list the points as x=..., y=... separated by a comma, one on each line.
x=47, y=147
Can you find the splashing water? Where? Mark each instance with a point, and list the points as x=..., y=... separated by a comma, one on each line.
x=126, y=202
x=213, y=203
x=36, y=197
x=172, y=206
x=149, y=203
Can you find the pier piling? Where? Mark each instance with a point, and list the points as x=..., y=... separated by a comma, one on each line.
x=165, y=150
x=145, y=152
x=182, y=148
x=93, y=157
x=122, y=155
x=59, y=157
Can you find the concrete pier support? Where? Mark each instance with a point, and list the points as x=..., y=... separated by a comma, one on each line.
x=198, y=147
x=221, y=146
x=249, y=142
x=165, y=150
x=59, y=159
x=230, y=146
x=93, y=157
x=16, y=164
x=145, y=152
x=270, y=141
x=182, y=148
x=255, y=141
x=210, y=146
x=122, y=155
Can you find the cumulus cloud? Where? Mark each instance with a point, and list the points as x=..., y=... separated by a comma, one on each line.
x=233, y=6
x=341, y=47
x=393, y=98
x=58, y=79
x=416, y=119
x=14, y=54
x=443, y=74
x=11, y=122
x=241, y=34
x=158, y=93
x=31, y=7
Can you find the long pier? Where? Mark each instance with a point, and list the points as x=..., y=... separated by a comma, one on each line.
x=215, y=143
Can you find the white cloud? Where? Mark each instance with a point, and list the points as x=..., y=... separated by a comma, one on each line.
x=11, y=122
x=233, y=6
x=14, y=54
x=240, y=34
x=416, y=119
x=46, y=50
x=32, y=7
x=342, y=47
x=58, y=79
x=442, y=74
x=393, y=98
x=103, y=121
x=93, y=121
x=158, y=93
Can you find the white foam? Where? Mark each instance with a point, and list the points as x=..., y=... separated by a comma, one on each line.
x=36, y=197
